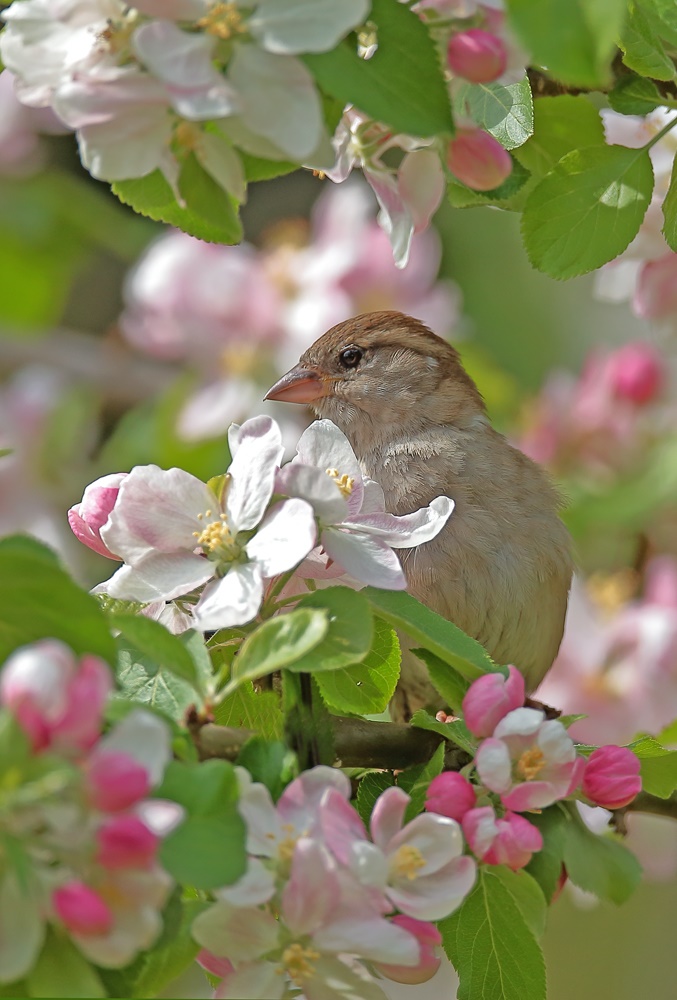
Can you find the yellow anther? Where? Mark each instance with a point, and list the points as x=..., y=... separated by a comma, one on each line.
x=531, y=763
x=215, y=535
x=344, y=482
x=407, y=861
x=187, y=135
x=117, y=35
x=223, y=20
x=297, y=962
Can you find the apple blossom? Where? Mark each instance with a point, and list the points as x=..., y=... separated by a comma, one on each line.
x=490, y=698
x=636, y=372
x=476, y=55
x=114, y=781
x=508, y=840
x=355, y=529
x=611, y=778
x=125, y=842
x=450, y=794
x=429, y=939
x=89, y=516
x=478, y=160
x=529, y=761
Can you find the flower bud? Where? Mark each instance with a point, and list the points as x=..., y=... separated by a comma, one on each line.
x=82, y=910
x=635, y=373
x=88, y=517
x=115, y=781
x=450, y=794
x=476, y=55
x=125, y=842
x=429, y=939
x=611, y=778
x=508, y=841
x=490, y=698
x=478, y=160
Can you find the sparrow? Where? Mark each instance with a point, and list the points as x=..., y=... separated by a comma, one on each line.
x=501, y=567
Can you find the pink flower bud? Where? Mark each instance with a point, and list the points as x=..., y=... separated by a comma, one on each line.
x=635, y=372
x=477, y=56
x=125, y=842
x=56, y=700
x=478, y=160
x=115, y=781
x=490, y=698
x=450, y=794
x=88, y=517
x=508, y=841
x=656, y=290
x=429, y=939
x=611, y=778
x=82, y=910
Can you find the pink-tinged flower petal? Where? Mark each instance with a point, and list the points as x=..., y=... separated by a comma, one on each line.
x=450, y=794
x=115, y=781
x=257, y=808
x=372, y=937
x=311, y=892
x=80, y=725
x=477, y=56
x=81, y=909
x=490, y=698
x=294, y=27
x=233, y=600
x=88, y=517
x=611, y=778
x=314, y=485
x=480, y=829
x=368, y=559
x=157, y=511
x=255, y=462
x=299, y=803
x=406, y=530
x=636, y=372
x=228, y=931
x=556, y=744
x=125, y=842
x=532, y=795
x=478, y=160
x=510, y=840
x=256, y=886
x=218, y=967
x=429, y=939
x=394, y=217
x=493, y=765
x=432, y=897
x=323, y=445
x=286, y=536
x=144, y=737
x=341, y=825
x=656, y=290
x=437, y=839
x=387, y=816
x=521, y=723
x=252, y=981
x=421, y=183
x=160, y=576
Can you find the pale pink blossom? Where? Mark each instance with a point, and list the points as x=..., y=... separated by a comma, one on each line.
x=490, y=698
x=450, y=794
x=89, y=516
x=477, y=159
x=611, y=778
x=507, y=840
x=530, y=762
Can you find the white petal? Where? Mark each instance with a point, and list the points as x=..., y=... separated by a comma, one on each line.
x=258, y=811
x=256, y=886
x=279, y=99
x=314, y=485
x=406, y=530
x=234, y=600
x=520, y=722
x=435, y=896
x=438, y=839
x=373, y=938
x=394, y=218
x=144, y=737
x=134, y=930
x=161, y=816
x=494, y=765
x=367, y=559
x=236, y=933
x=324, y=445
x=162, y=576
x=293, y=26
x=252, y=981
x=421, y=183
x=286, y=536
x=256, y=457
x=21, y=928
x=374, y=501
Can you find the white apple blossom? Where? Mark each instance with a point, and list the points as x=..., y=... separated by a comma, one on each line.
x=355, y=529
x=174, y=534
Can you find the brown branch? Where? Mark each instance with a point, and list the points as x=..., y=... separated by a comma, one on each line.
x=645, y=803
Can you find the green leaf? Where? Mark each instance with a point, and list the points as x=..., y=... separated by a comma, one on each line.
x=278, y=643
x=450, y=684
x=456, y=731
x=206, y=851
x=415, y=780
x=369, y=789
x=209, y=213
x=574, y=39
x=206, y=789
x=142, y=679
x=270, y=763
x=365, y=688
x=154, y=641
x=401, y=85
x=641, y=43
x=506, y=112
x=527, y=895
x=491, y=945
x=258, y=169
x=546, y=865
x=351, y=630
x=432, y=631
x=256, y=710
x=599, y=864
x=63, y=971
x=634, y=95
x=587, y=210
x=658, y=766
x=560, y=124
x=39, y=600
x=670, y=211
x=162, y=965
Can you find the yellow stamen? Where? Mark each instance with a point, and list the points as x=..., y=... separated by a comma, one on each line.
x=345, y=482
x=297, y=962
x=187, y=136
x=531, y=763
x=117, y=35
x=407, y=861
x=285, y=848
x=223, y=20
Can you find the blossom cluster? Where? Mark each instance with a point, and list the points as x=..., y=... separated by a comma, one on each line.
x=175, y=534
x=81, y=820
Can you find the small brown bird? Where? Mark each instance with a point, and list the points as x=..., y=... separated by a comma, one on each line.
x=501, y=568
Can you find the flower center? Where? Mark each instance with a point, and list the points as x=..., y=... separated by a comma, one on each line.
x=345, y=482
x=407, y=861
x=223, y=20
x=216, y=539
x=187, y=136
x=297, y=962
x=117, y=35
x=531, y=763
x=285, y=847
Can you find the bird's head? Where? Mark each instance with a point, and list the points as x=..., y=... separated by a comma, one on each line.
x=382, y=375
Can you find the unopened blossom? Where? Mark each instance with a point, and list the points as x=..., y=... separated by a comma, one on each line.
x=82, y=910
x=476, y=55
x=57, y=699
x=89, y=516
x=355, y=529
x=478, y=160
x=611, y=778
x=115, y=781
x=430, y=942
x=636, y=372
x=507, y=840
x=175, y=534
x=490, y=698
x=450, y=794
x=529, y=761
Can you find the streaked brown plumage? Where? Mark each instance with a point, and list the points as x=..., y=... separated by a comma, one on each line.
x=501, y=568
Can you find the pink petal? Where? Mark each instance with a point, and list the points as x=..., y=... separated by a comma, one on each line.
x=532, y=795
x=420, y=180
x=387, y=816
x=313, y=887
x=341, y=825
x=437, y=838
x=490, y=698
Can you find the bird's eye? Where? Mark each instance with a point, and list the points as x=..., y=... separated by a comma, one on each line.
x=350, y=357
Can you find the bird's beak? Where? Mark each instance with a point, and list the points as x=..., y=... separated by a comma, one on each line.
x=300, y=385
